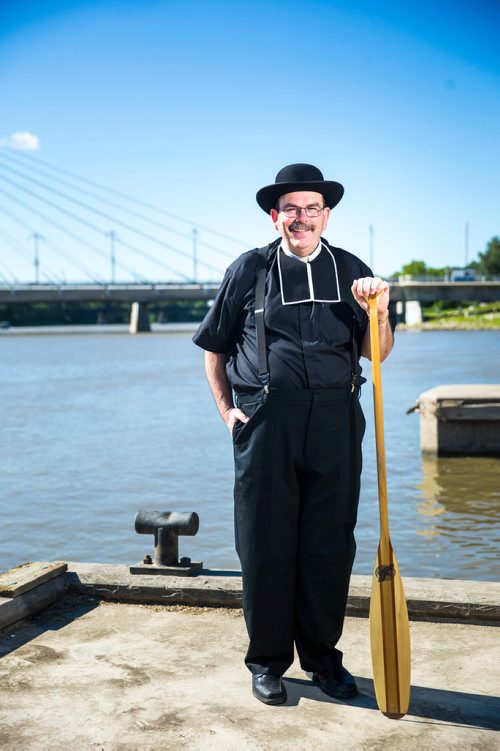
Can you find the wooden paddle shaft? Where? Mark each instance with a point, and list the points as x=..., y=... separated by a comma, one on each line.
x=379, y=421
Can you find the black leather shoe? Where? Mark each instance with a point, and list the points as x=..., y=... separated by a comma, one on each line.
x=268, y=688
x=337, y=682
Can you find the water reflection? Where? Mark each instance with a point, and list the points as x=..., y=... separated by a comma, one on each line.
x=458, y=494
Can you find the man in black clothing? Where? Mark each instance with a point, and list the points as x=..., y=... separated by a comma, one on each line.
x=282, y=344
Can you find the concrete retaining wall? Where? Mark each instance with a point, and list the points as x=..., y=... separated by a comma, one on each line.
x=428, y=599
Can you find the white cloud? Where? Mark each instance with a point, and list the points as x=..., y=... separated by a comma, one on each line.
x=22, y=141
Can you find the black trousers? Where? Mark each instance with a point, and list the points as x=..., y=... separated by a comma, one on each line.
x=297, y=471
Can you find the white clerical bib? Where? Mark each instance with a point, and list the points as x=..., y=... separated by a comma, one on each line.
x=310, y=279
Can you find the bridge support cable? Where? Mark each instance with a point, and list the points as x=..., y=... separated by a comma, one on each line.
x=79, y=239
x=7, y=271
x=152, y=258
x=59, y=251
x=30, y=159
x=127, y=210
x=94, y=277
x=195, y=254
x=94, y=227
x=5, y=276
x=18, y=249
x=112, y=238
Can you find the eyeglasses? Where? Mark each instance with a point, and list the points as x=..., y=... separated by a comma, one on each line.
x=295, y=211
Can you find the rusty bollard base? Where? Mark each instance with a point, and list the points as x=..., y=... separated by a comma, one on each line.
x=186, y=567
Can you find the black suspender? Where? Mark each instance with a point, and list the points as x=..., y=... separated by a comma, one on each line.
x=260, y=291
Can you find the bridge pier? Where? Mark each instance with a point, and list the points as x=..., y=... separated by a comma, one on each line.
x=139, y=318
x=409, y=312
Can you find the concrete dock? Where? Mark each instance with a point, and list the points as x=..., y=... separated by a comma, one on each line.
x=87, y=672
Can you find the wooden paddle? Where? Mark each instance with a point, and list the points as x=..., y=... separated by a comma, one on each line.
x=389, y=627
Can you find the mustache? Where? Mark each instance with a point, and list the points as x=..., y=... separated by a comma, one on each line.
x=299, y=226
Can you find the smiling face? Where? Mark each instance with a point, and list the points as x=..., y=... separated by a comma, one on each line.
x=301, y=234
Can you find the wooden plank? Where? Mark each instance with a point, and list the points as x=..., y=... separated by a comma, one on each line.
x=13, y=609
x=20, y=579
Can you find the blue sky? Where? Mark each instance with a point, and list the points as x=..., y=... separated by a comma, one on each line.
x=193, y=106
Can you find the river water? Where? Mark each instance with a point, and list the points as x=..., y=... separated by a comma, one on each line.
x=97, y=426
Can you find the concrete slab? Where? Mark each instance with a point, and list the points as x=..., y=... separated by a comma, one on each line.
x=90, y=674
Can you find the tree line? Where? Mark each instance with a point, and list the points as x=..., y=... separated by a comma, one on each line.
x=487, y=264
x=72, y=313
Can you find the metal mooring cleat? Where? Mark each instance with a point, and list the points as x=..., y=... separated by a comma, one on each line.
x=166, y=526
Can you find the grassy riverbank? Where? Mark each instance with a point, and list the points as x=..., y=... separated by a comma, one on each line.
x=482, y=316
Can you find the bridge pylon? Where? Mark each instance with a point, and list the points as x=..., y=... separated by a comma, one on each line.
x=139, y=318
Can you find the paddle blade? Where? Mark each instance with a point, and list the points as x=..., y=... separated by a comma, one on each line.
x=389, y=636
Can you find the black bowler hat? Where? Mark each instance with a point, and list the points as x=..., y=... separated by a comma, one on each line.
x=296, y=177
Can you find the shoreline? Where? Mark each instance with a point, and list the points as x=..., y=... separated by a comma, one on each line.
x=444, y=325
x=191, y=327
x=111, y=328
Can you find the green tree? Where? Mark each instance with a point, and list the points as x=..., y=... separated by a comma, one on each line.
x=489, y=260
x=420, y=269
x=414, y=268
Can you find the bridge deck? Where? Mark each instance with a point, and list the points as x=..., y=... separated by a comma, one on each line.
x=402, y=291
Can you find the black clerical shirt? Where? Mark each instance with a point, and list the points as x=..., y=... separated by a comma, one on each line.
x=309, y=342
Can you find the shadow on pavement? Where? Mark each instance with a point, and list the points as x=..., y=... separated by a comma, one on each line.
x=459, y=708
x=69, y=608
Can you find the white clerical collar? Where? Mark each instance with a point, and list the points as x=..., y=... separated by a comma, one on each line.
x=308, y=281
x=304, y=259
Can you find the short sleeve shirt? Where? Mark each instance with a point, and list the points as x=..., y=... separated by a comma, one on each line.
x=309, y=344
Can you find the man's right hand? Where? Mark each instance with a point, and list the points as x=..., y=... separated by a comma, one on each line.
x=215, y=367
x=232, y=416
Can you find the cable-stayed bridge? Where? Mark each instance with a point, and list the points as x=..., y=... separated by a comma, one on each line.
x=57, y=225
x=52, y=217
